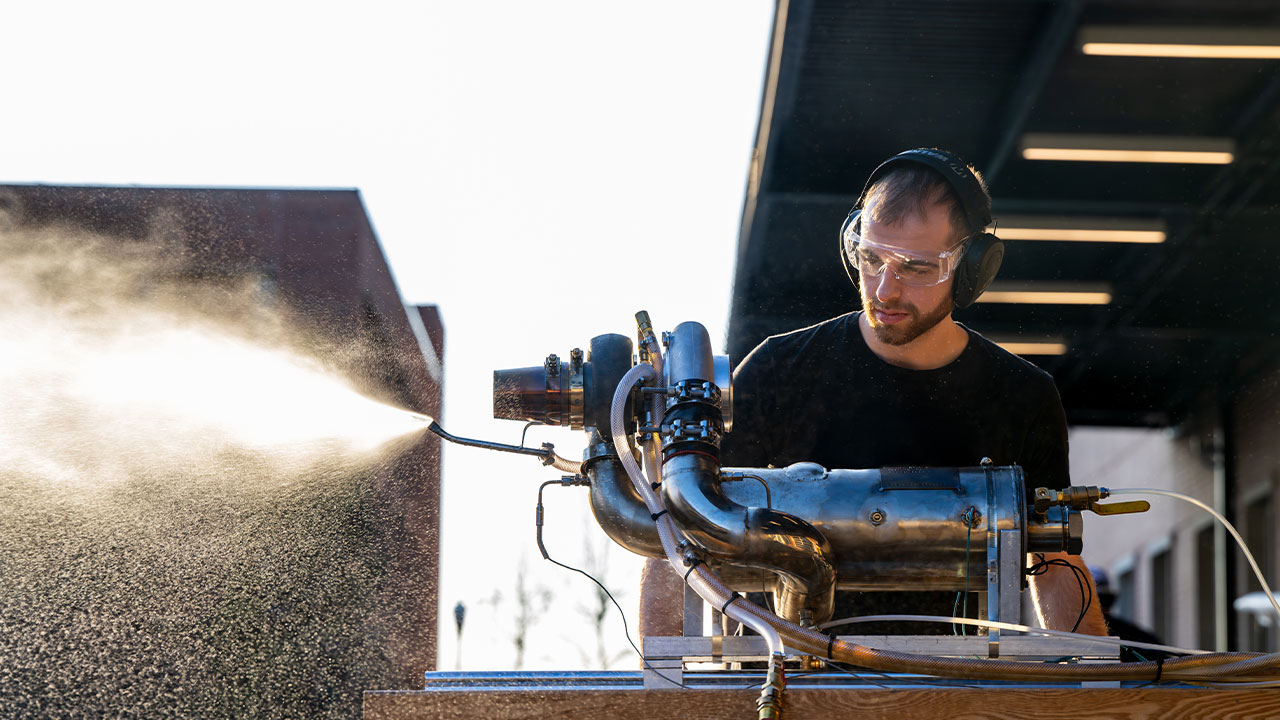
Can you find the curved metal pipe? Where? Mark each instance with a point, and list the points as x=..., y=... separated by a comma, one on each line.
x=547, y=452
x=751, y=536
x=618, y=508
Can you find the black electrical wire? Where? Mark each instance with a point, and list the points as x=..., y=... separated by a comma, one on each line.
x=852, y=673
x=955, y=609
x=1041, y=566
x=790, y=677
x=861, y=674
x=625, y=629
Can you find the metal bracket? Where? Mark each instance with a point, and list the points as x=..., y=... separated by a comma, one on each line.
x=1005, y=560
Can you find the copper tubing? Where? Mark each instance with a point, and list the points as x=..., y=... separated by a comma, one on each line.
x=1213, y=666
x=1216, y=666
x=1262, y=662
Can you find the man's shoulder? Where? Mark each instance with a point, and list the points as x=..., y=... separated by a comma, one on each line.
x=993, y=353
x=836, y=329
x=804, y=353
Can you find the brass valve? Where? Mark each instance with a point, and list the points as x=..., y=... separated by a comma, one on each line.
x=644, y=333
x=1086, y=497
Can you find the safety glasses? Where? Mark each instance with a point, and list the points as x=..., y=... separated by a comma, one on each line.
x=908, y=266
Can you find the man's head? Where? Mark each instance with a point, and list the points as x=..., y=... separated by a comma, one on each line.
x=909, y=188
x=898, y=240
x=915, y=233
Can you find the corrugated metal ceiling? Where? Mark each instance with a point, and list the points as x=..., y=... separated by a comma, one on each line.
x=859, y=81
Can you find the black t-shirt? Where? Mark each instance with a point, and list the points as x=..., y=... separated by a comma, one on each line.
x=820, y=394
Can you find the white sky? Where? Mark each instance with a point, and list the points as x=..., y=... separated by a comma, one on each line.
x=539, y=170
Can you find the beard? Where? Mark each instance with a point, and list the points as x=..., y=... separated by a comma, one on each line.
x=915, y=325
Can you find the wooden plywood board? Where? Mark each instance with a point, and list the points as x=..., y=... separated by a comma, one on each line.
x=864, y=704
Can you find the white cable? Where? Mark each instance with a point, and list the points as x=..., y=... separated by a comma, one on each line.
x=1239, y=540
x=1012, y=626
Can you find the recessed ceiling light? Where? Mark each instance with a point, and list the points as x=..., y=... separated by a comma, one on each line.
x=1128, y=148
x=1181, y=42
x=1080, y=229
x=1032, y=347
x=1047, y=293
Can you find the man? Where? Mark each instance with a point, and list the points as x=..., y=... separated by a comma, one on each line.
x=902, y=383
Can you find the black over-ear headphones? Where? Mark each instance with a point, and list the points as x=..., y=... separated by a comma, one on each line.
x=983, y=251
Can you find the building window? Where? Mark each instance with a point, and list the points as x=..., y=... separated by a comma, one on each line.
x=1206, y=586
x=1162, y=594
x=1259, y=535
x=1127, y=590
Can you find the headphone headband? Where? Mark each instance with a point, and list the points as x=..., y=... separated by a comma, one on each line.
x=972, y=197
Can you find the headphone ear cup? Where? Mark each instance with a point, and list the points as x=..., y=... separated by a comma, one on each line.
x=849, y=269
x=978, y=267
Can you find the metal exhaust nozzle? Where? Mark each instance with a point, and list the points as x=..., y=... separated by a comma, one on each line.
x=551, y=394
x=520, y=394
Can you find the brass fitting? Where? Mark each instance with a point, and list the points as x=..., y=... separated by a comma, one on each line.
x=1086, y=497
x=769, y=706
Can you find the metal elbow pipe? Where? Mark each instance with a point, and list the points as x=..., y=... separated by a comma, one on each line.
x=754, y=537
x=619, y=509
x=691, y=493
x=615, y=503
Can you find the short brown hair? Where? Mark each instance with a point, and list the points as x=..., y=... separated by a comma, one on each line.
x=912, y=188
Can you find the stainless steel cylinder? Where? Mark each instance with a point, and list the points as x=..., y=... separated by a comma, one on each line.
x=551, y=394
x=574, y=392
x=520, y=394
x=900, y=528
x=689, y=354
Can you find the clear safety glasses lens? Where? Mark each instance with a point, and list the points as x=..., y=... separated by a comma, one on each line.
x=909, y=267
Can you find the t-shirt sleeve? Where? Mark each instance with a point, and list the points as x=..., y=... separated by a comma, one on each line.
x=749, y=443
x=1047, y=446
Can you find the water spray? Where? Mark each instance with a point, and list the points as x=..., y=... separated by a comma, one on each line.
x=106, y=375
x=201, y=491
